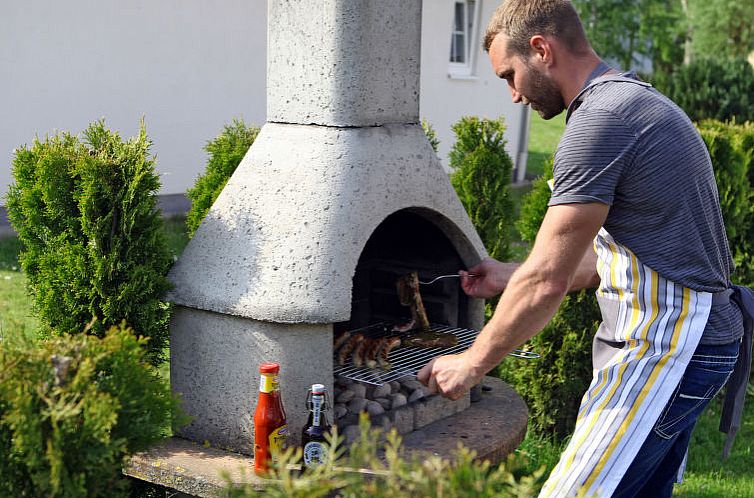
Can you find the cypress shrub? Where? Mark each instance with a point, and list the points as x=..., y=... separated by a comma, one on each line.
x=731, y=149
x=225, y=154
x=71, y=408
x=93, y=250
x=481, y=176
x=553, y=385
x=720, y=89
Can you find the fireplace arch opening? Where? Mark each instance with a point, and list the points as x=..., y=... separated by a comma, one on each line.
x=408, y=240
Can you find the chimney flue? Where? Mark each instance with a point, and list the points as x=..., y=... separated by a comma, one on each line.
x=343, y=62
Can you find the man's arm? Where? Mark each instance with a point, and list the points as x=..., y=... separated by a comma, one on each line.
x=532, y=296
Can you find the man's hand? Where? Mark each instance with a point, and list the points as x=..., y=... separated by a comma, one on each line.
x=487, y=279
x=450, y=375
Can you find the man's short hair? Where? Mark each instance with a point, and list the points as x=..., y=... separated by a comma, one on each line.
x=519, y=20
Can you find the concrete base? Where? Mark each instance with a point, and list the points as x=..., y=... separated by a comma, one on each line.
x=214, y=367
x=493, y=427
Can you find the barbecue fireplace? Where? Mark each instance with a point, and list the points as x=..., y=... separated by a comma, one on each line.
x=340, y=194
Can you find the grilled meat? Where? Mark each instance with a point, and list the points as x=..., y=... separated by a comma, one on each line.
x=408, y=294
x=344, y=353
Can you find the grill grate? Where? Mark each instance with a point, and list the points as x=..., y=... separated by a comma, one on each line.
x=406, y=361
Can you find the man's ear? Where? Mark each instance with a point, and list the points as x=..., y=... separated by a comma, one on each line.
x=541, y=48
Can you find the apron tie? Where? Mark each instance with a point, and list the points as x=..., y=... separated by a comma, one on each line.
x=735, y=395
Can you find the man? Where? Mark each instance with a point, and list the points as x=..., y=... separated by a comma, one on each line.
x=635, y=210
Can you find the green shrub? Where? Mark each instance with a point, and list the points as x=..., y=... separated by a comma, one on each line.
x=553, y=385
x=397, y=475
x=481, y=176
x=86, y=215
x=71, y=408
x=731, y=149
x=225, y=154
x=721, y=89
x=431, y=135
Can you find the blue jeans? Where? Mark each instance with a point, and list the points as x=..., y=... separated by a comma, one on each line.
x=655, y=468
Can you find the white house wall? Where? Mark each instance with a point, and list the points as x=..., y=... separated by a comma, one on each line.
x=445, y=99
x=188, y=67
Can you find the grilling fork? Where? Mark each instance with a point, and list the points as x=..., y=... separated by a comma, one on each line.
x=444, y=276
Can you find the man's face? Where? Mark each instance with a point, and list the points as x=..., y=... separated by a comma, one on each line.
x=527, y=83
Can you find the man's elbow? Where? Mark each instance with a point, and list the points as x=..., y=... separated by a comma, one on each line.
x=552, y=289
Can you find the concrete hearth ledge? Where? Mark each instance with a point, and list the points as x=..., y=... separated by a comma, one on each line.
x=493, y=427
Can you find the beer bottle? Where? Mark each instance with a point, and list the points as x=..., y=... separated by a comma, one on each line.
x=313, y=435
x=270, y=428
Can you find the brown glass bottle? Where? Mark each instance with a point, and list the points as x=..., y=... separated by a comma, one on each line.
x=313, y=436
x=270, y=427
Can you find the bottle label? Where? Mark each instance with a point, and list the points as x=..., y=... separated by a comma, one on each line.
x=315, y=453
x=277, y=439
x=268, y=383
x=316, y=409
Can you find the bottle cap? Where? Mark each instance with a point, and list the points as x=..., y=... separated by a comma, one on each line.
x=269, y=368
x=318, y=389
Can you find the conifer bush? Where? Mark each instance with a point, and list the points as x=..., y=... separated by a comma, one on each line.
x=553, y=385
x=225, y=154
x=481, y=175
x=85, y=211
x=71, y=408
x=731, y=148
x=719, y=88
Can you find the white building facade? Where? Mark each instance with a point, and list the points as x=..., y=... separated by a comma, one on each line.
x=191, y=66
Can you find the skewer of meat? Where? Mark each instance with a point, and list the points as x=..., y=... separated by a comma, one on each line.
x=373, y=350
x=340, y=339
x=344, y=353
x=357, y=357
x=388, y=344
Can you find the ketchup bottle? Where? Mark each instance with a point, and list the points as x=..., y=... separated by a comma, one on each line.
x=270, y=428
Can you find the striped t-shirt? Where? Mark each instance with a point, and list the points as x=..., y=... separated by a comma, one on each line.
x=628, y=146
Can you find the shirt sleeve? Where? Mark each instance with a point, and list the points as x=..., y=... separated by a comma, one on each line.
x=596, y=149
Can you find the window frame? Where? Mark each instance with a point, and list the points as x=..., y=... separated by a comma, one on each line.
x=466, y=69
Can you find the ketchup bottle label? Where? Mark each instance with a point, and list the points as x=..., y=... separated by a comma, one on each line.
x=277, y=439
x=268, y=383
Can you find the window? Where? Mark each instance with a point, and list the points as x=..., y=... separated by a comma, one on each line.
x=463, y=37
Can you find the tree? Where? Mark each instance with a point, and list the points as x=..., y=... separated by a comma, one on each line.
x=720, y=28
x=628, y=31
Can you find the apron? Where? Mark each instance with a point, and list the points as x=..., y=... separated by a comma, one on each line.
x=650, y=330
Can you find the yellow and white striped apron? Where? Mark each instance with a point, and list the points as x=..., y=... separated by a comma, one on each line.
x=651, y=327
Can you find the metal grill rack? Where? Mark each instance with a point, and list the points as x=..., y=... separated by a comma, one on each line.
x=406, y=361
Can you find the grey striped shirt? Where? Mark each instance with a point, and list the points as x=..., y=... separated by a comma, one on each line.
x=628, y=146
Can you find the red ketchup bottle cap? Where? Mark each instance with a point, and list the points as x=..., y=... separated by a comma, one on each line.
x=269, y=368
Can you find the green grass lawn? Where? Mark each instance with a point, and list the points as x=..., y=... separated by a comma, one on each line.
x=543, y=139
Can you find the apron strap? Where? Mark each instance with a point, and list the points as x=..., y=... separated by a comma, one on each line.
x=735, y=395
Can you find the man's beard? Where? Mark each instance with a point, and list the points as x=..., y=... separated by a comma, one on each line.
x=544, y=96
